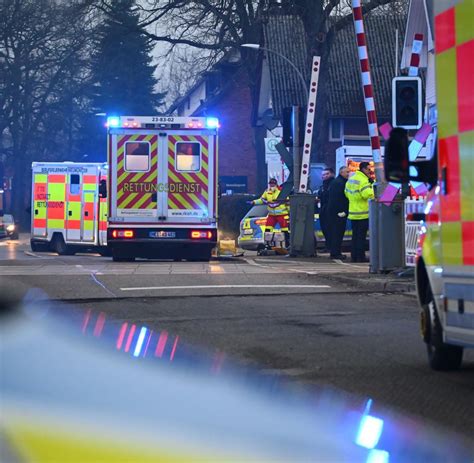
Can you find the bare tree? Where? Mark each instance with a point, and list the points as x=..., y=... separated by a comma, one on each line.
x=43, y=45
x=216, y=26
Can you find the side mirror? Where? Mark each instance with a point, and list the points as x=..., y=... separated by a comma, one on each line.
x=103, y=189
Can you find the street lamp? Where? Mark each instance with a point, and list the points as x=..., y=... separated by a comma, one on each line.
x=255, y=46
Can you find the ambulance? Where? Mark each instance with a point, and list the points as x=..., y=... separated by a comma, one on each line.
x=69, y=207
x=445, y=253
x=163, y=187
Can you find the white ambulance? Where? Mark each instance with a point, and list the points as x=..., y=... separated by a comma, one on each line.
x=69, y=207
x=163, y=187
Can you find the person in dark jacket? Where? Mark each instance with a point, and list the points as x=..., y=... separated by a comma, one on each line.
x=337, y=211
x=328, y=177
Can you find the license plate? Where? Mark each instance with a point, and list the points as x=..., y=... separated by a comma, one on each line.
x=248, y=232
x=162, y=234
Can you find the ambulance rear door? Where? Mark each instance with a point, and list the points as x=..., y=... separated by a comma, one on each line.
x=134, y=164
x=189, y=176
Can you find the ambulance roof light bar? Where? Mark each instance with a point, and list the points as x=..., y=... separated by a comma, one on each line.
x=135, y=122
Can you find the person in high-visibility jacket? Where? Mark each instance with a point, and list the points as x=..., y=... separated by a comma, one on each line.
x=358, y=191
x=277, y=208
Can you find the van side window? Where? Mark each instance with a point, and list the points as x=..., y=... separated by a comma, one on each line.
x=137, y=156
x=188, y=156
x=75, y=184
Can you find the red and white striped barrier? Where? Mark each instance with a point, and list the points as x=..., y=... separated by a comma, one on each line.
x=415, y=55
x=308, y=134
x=367, y=88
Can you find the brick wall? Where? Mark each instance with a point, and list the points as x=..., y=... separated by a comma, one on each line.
x=237, y=156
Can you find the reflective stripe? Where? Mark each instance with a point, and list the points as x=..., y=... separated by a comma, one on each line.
x=355, y=182
x=353, y=191
x=365, y=187
x=358, y=213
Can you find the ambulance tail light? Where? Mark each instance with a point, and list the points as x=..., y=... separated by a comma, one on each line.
x=261, y=222
x=201, y=235
x=123, y=234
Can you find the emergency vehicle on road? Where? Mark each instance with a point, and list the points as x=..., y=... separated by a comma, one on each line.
x=163, y=187
x=445, y=254
x=69, y=207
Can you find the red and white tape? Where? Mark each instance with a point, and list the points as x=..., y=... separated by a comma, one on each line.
x=415, y=55
x=308, y=134
x=366, y=81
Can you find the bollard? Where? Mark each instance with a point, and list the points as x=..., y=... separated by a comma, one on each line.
x=387, y=236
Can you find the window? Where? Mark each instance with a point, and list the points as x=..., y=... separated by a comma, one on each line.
x=335, y=129
x=137, y=156
x=75, y=184
x=188, y=156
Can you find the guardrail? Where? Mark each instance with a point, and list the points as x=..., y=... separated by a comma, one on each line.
x=412, y=229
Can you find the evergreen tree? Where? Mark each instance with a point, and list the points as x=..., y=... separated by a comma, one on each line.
x=122, y=73
x=121, y=78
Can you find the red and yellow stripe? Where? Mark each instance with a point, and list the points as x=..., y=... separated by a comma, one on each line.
x=140, y=200
x=187, y=200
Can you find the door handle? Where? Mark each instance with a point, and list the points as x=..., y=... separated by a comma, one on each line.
x=154, y=197
x=69, y=213
x=86, y=213
x=36, y=212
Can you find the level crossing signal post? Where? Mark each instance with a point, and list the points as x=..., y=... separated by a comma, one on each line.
x=301, y=204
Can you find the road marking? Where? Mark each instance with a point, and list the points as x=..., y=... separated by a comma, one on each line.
x=31, y=254
x=144, y=288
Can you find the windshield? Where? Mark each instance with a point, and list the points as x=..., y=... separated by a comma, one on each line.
x=257, y=211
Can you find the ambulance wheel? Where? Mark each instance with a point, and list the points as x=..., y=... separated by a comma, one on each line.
x=58, y=245
x=119, y=258
x=199, y=259
x=104, y=252
x=441, y=356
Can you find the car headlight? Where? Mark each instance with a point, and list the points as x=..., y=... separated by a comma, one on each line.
x=10, y=227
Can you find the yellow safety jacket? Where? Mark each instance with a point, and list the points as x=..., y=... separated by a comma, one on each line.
x=358, y=191
x=274, y=208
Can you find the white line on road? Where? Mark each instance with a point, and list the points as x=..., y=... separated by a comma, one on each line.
x=31, y=254
x=144, y=288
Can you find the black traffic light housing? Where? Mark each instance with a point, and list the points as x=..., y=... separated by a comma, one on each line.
x=287, y=125
x=407, y=106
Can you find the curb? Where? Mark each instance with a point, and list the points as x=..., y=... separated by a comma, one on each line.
x=375, y=284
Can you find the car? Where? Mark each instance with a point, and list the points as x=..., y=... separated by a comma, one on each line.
x=11, y=227
x=252, y=228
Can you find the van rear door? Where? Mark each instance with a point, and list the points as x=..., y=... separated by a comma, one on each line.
x=189, y=177
x=134, y=170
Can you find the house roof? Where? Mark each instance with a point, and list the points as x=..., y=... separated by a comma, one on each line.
x=285, y=34
x=345, y=96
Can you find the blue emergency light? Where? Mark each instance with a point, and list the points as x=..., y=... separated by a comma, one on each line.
x=113, y=121
x=212, y=123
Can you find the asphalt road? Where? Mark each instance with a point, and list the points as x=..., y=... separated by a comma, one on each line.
x=284, y=316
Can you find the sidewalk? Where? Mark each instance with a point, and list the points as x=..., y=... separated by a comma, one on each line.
x=355, y=276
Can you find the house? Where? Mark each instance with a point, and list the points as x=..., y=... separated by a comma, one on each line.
x=224, y=93
x=346, y=118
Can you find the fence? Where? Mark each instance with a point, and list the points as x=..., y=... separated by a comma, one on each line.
x=412, y=229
